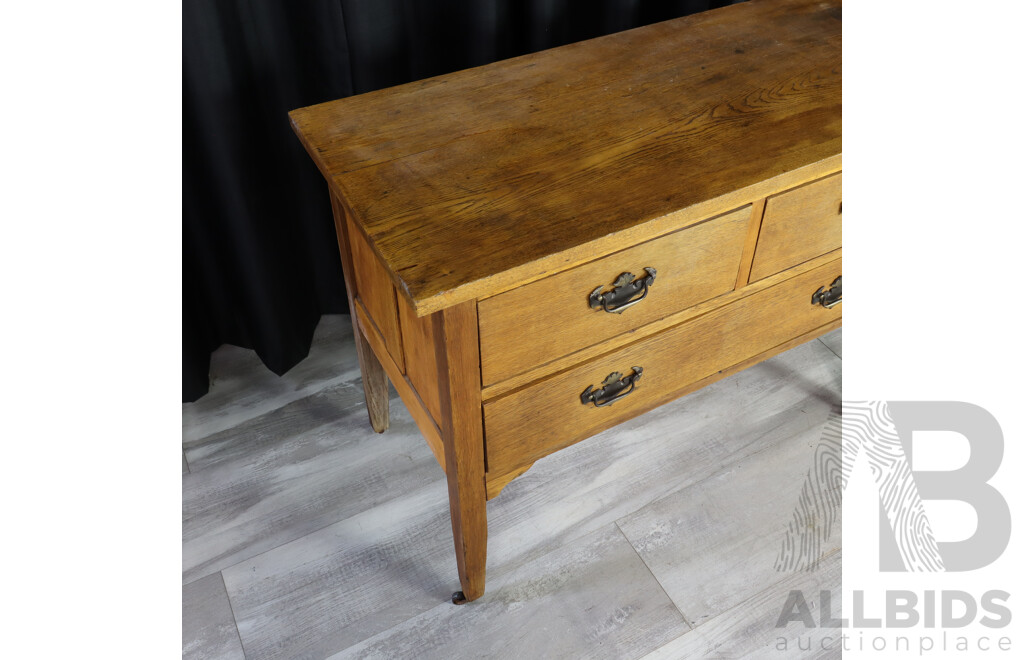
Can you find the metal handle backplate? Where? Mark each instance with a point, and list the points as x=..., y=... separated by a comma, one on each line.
x=624, y=292
x=615, y=387
x=830, y=297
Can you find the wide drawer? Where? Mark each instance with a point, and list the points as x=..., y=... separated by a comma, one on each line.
x=544, y=320
x=799, y=225
x=530, y=423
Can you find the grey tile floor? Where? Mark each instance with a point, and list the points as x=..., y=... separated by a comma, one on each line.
x=306, y=535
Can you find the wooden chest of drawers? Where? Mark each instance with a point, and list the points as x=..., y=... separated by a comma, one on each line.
x=541, y=248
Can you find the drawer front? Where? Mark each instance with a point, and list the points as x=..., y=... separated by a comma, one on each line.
x=799, y=225
x=553, y=317
x=549, y=415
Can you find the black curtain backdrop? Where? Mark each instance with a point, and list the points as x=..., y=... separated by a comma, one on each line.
x=260, y=259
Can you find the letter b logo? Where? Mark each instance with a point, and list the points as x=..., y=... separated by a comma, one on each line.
x=967, y=484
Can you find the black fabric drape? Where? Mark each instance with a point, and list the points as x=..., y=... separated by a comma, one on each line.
x=260, y=260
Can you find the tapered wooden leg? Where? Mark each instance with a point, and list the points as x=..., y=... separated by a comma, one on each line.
x=375, y=381
x=458, y=360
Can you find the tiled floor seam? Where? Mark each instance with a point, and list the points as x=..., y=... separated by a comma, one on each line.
x=686, y=619
x=830, y=349
x=231, y=608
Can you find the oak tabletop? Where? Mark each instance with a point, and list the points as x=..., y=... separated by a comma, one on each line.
x=472, y=183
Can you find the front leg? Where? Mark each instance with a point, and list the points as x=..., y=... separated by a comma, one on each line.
x=458, y=359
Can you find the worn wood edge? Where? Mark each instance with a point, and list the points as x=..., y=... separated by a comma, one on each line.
x=566, y=362
x=802, y=185
x=420, y=414
x=293, y=121
x=495, y=484
x=601, y=247
x=704, y=382
x=750, y=246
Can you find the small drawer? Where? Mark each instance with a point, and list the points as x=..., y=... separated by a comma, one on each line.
x=555, y=316
x=537, y=420
x=799, y=225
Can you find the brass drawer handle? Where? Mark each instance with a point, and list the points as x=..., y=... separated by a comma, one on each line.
x=625, y=287
x=611, y=389
x=829, y=298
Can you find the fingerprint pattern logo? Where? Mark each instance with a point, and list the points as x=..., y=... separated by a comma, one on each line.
x=867, y=428
x=816, y=514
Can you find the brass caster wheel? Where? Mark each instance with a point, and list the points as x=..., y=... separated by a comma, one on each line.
x=458, y=598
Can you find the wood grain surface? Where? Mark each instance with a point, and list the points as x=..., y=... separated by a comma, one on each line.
x=375, y=383
x=798, y=225
x=532, y=422
x=544, y=159
x=375, y=380
x=544, y=320
x=420, y=360
x=373, y=287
